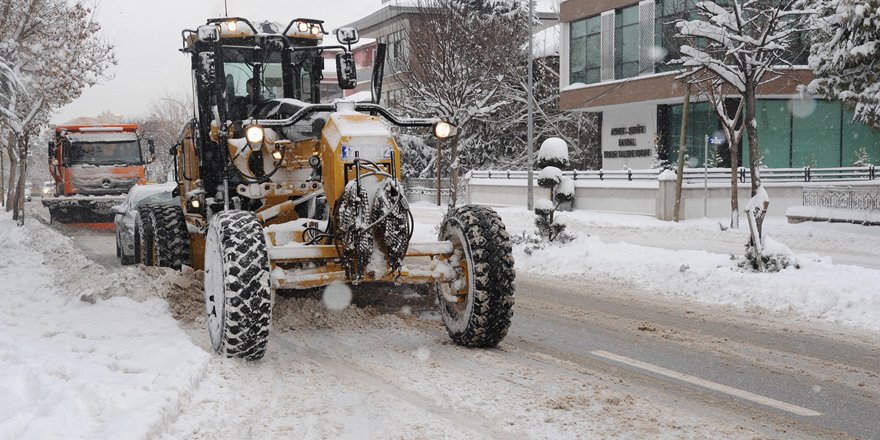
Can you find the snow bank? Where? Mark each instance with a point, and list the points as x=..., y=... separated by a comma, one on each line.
x=73, y=369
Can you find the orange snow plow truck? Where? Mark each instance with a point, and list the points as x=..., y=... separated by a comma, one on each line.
x=93, y=166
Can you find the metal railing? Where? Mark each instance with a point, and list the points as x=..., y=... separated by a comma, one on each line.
x=843, y=197
x=426, y=190
x=805, y=174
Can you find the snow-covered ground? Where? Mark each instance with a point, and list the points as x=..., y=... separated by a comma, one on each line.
x=697, y=259
x=90, y=353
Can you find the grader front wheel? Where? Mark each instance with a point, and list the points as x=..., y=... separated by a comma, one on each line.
x=478, y=305
x=238, y=294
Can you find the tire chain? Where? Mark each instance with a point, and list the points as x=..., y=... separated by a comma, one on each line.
x=394, y=230
x=352, y=211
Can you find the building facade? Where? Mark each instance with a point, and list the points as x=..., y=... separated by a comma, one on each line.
x=391, y=25
x=615, y=60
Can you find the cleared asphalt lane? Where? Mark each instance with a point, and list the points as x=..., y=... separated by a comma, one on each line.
x=824, y=382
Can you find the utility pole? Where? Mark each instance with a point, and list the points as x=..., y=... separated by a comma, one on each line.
x=531, y=117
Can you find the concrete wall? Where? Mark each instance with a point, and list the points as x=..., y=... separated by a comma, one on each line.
x=646, y=197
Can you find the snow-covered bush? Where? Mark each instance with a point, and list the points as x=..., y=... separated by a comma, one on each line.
x=552, y=155
x=775, y=257
x=863, y=159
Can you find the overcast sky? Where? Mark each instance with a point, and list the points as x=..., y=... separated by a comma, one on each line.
x=147, y=38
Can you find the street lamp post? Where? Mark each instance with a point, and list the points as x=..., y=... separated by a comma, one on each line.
x=531, y=115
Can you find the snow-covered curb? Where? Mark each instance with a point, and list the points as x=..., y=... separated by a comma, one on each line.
x=115, y=368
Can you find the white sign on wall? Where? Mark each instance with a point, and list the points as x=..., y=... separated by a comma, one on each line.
x=628, y=136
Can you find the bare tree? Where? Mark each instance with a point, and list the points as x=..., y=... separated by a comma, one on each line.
x=738, y=47
x=52, y=47
x=163, y=123
x=460, y=75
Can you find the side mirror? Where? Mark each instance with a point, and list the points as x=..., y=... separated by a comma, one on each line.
x=346, y=70
x=151, y=145
x=51, y=148
x=347, y=35
x=117, y=209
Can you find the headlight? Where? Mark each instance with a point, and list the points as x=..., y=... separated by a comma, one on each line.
x=302, y=26
x=254, y=134
x=444, y=129
x=314, y=161
x=277, y=154
x=232, y=25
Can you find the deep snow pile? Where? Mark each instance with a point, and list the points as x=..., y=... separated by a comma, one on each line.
x=75, y=365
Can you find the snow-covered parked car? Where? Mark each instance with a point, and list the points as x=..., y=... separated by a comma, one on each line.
x=28, y=191
x=127, y=212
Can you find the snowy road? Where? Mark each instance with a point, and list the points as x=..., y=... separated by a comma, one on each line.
x=582, y=360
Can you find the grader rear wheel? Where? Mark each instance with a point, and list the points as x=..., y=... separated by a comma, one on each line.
x=171, y=243
x=477, y=307
x=238, y=294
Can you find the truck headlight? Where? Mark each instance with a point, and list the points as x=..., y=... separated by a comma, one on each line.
x=254, y=134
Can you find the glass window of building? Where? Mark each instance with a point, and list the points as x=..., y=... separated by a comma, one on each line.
x=585, y=51
x=666, y=14
x=816, y=136
x=626, y=42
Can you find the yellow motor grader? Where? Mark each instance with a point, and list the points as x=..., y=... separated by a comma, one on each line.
x=281, y=191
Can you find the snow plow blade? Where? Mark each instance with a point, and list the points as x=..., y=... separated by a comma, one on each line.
x=91, y=210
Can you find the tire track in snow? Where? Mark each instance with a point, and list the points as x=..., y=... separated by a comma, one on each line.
x=378, y=383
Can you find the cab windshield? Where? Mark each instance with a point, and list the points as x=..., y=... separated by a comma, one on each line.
x=258, y=76
x=104, y=153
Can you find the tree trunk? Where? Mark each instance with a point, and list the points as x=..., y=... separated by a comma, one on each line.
x=2, y=175
x=18, y=212
x=682, y=145
x=752, y=130
x=13, y=162
x=754, y=157
x=734, y=182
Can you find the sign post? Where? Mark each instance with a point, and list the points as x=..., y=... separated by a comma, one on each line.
x=706, y=177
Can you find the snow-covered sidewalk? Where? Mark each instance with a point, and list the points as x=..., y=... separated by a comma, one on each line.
x=696, y=259
x=117, y=368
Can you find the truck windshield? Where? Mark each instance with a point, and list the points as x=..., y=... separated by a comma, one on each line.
x=104, y=153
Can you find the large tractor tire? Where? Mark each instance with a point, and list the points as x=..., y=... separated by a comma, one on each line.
x=477, y=307
x=144, y=235
x=171, y=238
x=238, y=293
